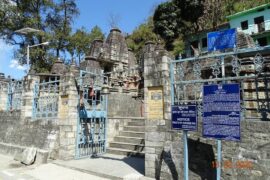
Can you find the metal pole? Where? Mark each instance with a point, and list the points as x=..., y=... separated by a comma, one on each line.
x=185, y=155
x=219, y=159
x=219, y=151
x=28, y=58
x=172, y=82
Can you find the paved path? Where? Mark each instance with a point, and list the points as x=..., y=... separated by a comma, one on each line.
x=108, y=166
x=55, y=172
x=13, y=170
x=102, y=168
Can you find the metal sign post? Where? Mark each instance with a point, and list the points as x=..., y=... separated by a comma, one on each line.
x=221, y=115
x=219, y=150
x=184, y=117
x=185, y=155
x=219, y=103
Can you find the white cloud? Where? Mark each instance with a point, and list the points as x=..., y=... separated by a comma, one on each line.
x=16, y=65
x=4, y=48
x=8, y=64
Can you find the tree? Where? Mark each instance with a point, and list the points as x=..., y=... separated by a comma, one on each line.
x=96, y=33
x=179, y=46
x=141, y=35
x=60, y=22
x=52, y=17
x=114, y=20
x=171, y=19
x=80, y=41
x=167, y=23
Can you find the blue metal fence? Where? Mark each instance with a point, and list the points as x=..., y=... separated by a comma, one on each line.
x=46, y=96
x=243, y=66
x=15, y=92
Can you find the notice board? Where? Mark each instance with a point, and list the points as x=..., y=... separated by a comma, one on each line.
x=155, y=105
x=184, y=117
x=221, y=111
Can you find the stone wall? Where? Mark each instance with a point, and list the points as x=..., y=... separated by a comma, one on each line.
x=14, y=130
x=56, y=135
x=248, y=159
x=124, y=105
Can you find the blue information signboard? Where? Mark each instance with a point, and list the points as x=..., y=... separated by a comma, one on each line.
x=184, y=117
x=221, y=40
x=221, y=111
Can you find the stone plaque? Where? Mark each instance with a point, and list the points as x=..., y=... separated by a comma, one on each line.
x=63, y=108
x=155, y=103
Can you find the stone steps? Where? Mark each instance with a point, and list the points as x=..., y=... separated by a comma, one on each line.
x=127, y=146
x=125, y=152
x=132, y=134
x=134, y=128
x=130, y=141
x=136, y=123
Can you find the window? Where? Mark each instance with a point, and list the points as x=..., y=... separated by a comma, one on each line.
x=262, y=41
x=260, y=22
x=244, y=25
x=204, y=42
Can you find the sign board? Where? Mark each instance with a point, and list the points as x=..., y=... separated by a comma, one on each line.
x=155, y=103
x=221, y=40
x=221, y=111
x=184, y=117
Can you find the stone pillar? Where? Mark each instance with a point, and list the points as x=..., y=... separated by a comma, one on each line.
x=28, y=96
x=156, y=75
x=3, y=95
x=68, y=116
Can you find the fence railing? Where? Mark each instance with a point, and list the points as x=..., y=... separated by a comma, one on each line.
x=46, y=97
x=11, y=93
x=244, y=66
x=3, y=95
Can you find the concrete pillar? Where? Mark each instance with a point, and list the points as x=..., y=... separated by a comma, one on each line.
x=3, y=95
x=68, y=117
x=28, y=96
x=156, y=76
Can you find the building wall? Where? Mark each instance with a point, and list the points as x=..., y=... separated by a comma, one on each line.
x=248, y=159
x=236, y=22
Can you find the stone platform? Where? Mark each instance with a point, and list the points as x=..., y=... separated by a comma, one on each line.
x=108, y=166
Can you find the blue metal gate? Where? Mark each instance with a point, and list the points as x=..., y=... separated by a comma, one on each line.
x=92, y=121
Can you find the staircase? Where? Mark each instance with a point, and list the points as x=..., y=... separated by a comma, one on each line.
x=130, y=141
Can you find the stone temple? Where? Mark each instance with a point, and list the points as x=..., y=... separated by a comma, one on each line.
x=63, y=118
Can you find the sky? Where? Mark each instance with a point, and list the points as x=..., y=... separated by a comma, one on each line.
x=128, y=14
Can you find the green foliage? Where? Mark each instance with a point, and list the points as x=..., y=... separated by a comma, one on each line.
x=241, y=5
x=59, y=20
x=96, y=33
x=179, y=18
x=52, y=17
x=191, y=10
x=141, y=35
x=167, y=22
x=171, y=19
x=80, y=41
x=179, y=47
